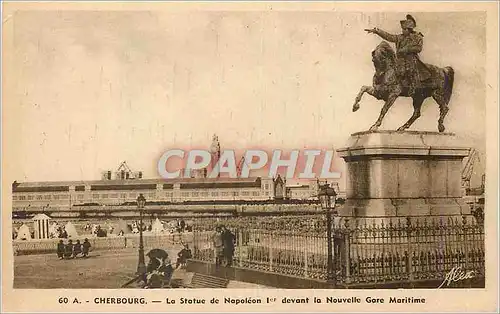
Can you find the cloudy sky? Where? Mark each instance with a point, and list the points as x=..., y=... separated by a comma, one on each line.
x=94, y=88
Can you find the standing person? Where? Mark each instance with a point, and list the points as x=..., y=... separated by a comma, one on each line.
x=64, y=233
x=178, y=226
x=229, y=240
x=218, y=245
x=77, y=249
x=101, y=233
x=86, y=247
x=68, y=250
x=87, y=227
x=60, y=249
x=410, y=70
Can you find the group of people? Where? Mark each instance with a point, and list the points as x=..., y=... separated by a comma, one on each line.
x=97, y=231
x=181, y=226
x=73, y=250
x=159, y=269
x=62, y=231
x=224, y=242
x=134, y=227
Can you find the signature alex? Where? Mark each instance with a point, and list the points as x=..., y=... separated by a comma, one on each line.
x=456, y=274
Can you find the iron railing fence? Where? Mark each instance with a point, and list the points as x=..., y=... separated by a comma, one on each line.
x=365, y=250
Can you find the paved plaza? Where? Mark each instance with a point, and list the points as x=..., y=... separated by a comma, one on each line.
x=103, y=270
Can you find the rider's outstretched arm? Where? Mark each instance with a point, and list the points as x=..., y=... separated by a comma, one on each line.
x=385, y=35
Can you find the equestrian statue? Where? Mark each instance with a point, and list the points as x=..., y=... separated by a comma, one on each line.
x=403, y=74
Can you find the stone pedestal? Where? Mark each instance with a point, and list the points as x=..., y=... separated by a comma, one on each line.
x=404, y=173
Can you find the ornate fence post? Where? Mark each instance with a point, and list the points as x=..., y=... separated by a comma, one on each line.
x=466, y=253
x=334, y=250
x=194, y=245
x=239, y=241
x=270, y=256
x=347, y=251
x=409, y=256
x=331, y=270
x=305, y=263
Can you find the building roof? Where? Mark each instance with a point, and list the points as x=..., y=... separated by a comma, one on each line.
x=302, y=186
x=61, y=186
x=41, y=217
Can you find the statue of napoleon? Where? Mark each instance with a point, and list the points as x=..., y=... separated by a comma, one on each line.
x=401, y=73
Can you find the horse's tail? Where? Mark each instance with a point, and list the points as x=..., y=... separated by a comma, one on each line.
x=449, y=77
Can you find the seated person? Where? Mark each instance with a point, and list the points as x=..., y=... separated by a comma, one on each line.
x=77, y=249
x=159, y=273
x=183, y=256
x=68, y=251
x=60, y=249
x=86, y=247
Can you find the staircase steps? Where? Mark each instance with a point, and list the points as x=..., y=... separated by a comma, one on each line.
x=205, y=281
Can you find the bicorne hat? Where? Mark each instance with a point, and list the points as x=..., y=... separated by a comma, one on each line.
x=409, y=22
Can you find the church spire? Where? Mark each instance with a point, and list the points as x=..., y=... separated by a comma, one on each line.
x=214, y=151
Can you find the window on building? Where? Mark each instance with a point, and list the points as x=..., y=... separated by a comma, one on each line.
x=255, y=193
x=124, y=195
x=245, y=193
x=30, y=197
x=95, y=196
x=22, y=197
x=195, y=194
x=185, y=194
x=104, y=196
x=168, y=194
x=14, y=197
x=236, y=193
x=80, y=196
x=205, y=194
x=225, y=193
x=215, y=193
x=39, y=197
x=114, y=195
x=64, y=197
x=47, y=197
x=266, y=186
x=56, y=197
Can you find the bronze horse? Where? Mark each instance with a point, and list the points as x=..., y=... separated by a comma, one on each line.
x=387, y=86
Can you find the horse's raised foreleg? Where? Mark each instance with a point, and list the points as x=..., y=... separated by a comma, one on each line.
x=390, y=101
x=364, y=89
x=417, y=105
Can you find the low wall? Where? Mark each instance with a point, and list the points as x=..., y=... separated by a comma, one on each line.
x=256, y=277
x=291, y=282
x=28, y=247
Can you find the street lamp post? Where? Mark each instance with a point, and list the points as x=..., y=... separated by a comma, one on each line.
x=141, y=267
x=327, y=197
